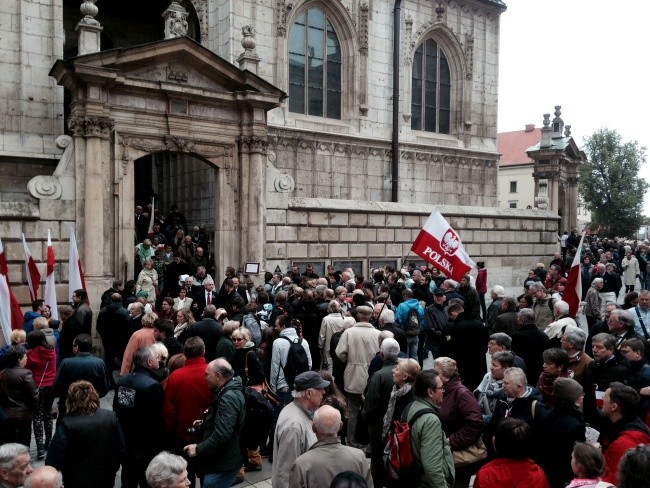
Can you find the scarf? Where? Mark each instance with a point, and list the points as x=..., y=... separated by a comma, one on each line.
x=180, y=328
x=394, y=395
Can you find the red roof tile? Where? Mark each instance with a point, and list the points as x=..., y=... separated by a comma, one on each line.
x=512, y=146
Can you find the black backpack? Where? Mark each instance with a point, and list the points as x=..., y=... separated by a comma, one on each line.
x=413, y=323
x=297, y=361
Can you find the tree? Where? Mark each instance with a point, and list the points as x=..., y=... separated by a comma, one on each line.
x=610, y=184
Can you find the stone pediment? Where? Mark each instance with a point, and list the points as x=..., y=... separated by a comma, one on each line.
x=170, y=63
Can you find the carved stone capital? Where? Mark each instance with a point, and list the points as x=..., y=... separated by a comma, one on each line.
x=91, y=126
x=51, y=187
x=253, y=144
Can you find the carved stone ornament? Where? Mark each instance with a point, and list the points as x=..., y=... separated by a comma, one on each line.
x=469, y=55
x=284, y=183
x=169, y=143
x=283, y=10
x=89, y=10
x=175, y=21
x=45, y=187
x=91, y=126
x=253, y=143
x=248, y=39
x=363, y=29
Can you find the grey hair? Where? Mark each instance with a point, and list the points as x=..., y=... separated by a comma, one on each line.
x=9, y=452
x=576, y=336
x=222, y=367
x=164, y=469
x=625, y=318
x=143, y=355
x=562, y=307
x=517, y=376
x=537, y=286
x=58, y=478
x=390, y=349
x=387, y=316
x=597, y=280
x=326, y=428
x=502, y=339
x=334, y=307
x=526, y=314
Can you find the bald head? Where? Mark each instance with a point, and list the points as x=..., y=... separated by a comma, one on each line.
x=327, y=422
x=44, y=477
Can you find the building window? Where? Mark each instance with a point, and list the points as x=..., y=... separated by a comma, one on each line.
x=513, y=187
x=431, y=89
x=513, y=204
x=314, y=66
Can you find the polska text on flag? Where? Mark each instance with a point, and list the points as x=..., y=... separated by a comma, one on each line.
x=440, y=245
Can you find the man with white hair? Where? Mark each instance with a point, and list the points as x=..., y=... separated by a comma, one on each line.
x=494, y=310
x=327, y=457
x=387, y=323
x=44, y=477
x=357, y=346
x=15, y=465
x=555, y=329
x=573, y=342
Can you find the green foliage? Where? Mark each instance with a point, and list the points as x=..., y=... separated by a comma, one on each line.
x=610, y=184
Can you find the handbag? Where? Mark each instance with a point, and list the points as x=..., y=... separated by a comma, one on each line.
x=473, y=454
x=263, y=388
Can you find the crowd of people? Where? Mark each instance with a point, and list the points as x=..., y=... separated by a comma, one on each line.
x=316, y=373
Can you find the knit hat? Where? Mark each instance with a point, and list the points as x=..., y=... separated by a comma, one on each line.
x=566, y=389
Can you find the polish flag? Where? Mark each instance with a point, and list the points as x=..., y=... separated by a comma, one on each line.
x=33, y=276
x=151, y=219
x=11, y=316
x=573, y=289
x=76, y=277
x=440, y=245
x=50, y=286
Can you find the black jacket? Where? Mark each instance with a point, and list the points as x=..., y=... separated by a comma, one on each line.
x=114, y=327
x=467, y=343
x=529, y=342
x=87, y=449
x=71, y=329
x=598, y=376
x=208, y=329
x=83, y=366
x=561, y=429
x=138, y=403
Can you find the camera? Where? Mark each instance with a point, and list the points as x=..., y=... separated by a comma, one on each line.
x=195, y=429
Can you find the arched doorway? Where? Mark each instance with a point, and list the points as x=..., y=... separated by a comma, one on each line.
x=184, y=180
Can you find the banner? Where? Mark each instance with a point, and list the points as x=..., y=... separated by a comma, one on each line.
x=76, y=278
x=11, y=316
x=33, y=276
x=573, y=289
x=440, y=245
x=50, y=285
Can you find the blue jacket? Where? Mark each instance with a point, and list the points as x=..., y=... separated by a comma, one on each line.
x=403, y=312
x=28, y=324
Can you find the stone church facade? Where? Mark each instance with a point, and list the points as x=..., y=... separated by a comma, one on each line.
x=268, y=121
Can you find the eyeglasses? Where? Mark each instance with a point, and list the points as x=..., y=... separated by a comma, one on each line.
x=237, y=339
x=441, y=388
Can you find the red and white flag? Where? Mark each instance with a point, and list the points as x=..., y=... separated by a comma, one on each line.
x=152, y=217
x=50, y=286
x=33, y=276
x=11, y=316
x=440, y=245
x=76, y=279
x=573, y=289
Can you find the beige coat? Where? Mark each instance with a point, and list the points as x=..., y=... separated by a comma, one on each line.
x=357, y=347
x=630, y=270
x=330, y=325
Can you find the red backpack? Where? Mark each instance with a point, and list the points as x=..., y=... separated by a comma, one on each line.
x=399, y=461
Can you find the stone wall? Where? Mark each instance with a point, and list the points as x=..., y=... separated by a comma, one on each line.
x=306, y=229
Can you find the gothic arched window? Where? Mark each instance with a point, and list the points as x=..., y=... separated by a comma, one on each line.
x=431, y=89
x=314, y=66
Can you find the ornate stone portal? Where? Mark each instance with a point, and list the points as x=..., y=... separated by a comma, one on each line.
x=110, y=131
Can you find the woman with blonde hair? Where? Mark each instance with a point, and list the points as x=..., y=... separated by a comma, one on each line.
x=404, y=375
x=88, y=443
x=184, y=319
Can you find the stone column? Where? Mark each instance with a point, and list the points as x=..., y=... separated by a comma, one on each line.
x=95, y=131
x=253, y=149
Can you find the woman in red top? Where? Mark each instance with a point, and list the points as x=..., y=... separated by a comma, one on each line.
x=513, y=468
x=41, y=361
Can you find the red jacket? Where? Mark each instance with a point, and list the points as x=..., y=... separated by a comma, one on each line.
x=481, y=281
x=511, y=473
x=41, y=361
x=187, y=396
x=631, y=436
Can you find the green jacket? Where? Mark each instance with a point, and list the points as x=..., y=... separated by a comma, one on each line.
x=431, y=448
x=219, y=450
